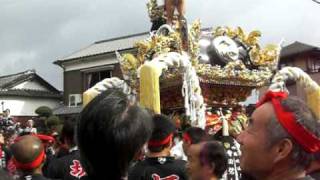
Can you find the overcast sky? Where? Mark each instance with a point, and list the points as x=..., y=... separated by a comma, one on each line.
x=34, y=33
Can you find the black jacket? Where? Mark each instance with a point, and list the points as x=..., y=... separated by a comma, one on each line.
x=159, y=168
x=67, y=168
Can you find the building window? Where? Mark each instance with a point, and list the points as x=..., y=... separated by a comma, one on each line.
x=93, y=78
x=75, y=100
x=284, y=63
x=313, y=65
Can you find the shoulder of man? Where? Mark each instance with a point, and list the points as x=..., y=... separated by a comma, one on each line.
x=59, y=165
x=137, y=171
x=67, y=167
x=55, y=168
x=148, y=169
x=181, y=168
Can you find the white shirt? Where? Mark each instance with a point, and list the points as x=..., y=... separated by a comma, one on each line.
x=31, y=130
x=177, y=151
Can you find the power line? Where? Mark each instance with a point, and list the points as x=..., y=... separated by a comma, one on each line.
x=316, y=1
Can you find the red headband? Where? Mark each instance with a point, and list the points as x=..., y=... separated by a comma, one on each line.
x=187, y=138
x=31, y=165
x=42, y=137
x=305, y=138
x=45, y=138
x=160, y=142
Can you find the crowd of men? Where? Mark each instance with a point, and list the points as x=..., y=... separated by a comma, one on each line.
x=114, y=138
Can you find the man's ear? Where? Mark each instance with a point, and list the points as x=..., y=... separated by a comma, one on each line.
x=138, y=153
x=171, y=143
x=283, y=149
x=208, y=169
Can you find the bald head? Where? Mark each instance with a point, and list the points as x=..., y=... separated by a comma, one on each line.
x=27, y=149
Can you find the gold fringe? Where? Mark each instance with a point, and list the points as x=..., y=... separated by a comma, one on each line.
x=149, y=87
x=313, y=101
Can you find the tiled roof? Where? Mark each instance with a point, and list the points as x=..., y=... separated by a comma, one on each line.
x=63, y=110
x=12, y=79
x=30, y=93
x=9, y=81
x=297, y=48
x=106, y=46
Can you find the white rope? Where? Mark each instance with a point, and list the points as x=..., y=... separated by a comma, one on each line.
x=292, y=73
x=109, y=83
x=191, y=90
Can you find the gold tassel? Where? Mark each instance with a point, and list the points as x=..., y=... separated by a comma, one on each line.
x=88, y=96
x=149, y=87
x=313, y=101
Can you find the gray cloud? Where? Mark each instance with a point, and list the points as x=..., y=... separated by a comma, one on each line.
x=34, y=33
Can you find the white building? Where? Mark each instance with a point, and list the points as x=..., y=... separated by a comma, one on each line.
x=84, y=68
x=24, y=92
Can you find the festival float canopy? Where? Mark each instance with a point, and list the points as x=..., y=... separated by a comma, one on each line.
x=181, y=67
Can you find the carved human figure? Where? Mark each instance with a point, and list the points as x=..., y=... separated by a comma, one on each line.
x=171, y=5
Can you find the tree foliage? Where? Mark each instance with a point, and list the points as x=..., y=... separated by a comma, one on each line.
x=44, y=111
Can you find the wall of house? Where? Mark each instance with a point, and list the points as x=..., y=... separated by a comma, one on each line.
x=117, y=71
x=25, y=106
x=31, y=85
x=23, y=119
x=297, y=61
x=301, y=62
x=315, y=77
x=74, y=73
x=73, y=84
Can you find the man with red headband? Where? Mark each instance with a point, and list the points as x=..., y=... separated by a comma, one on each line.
x=281, y=139
x=159, y=165
x=193, y=135
x=28, y=156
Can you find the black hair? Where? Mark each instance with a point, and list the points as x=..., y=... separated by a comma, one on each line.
x=196, y=134
x=68, y=131
x=110, y=131
x=212, y=153
x=163, y=127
